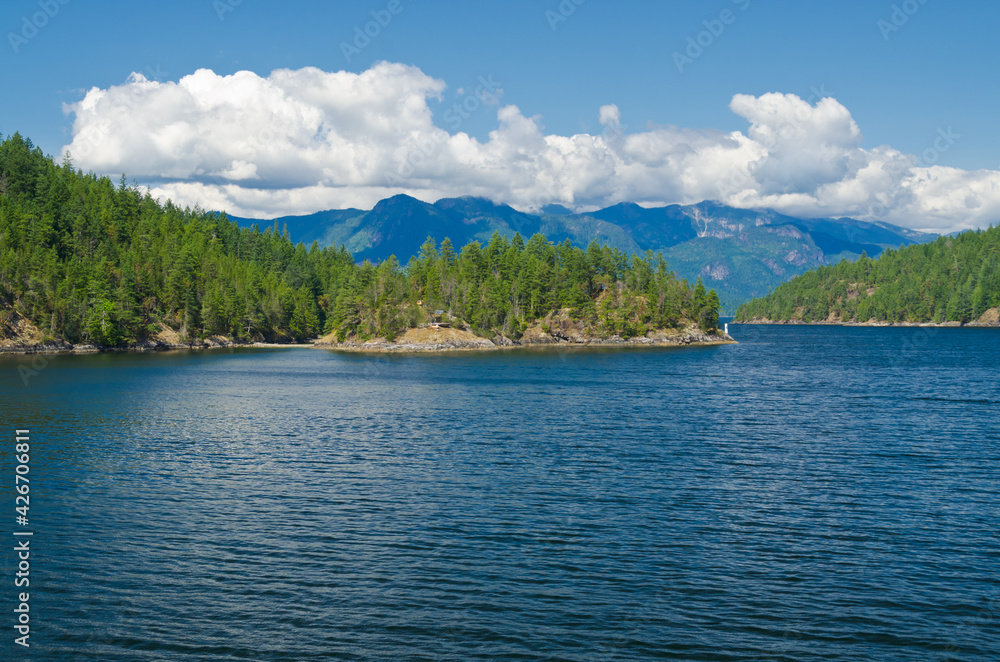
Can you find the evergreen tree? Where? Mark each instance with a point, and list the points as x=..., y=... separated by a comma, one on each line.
x=708, y=317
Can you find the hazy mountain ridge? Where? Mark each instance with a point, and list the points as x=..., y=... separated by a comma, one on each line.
x=741, y=253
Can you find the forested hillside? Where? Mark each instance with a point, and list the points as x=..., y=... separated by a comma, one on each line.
x=952, y=279
x=505, y=285
x=87, y=261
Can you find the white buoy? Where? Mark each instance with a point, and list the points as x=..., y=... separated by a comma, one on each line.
x=727, y=328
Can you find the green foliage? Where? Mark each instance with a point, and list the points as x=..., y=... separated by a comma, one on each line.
x=708, y=314
x=89, y=261
x=509, y=284
x=953, y=279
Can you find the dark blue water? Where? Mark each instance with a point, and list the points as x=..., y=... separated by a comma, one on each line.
x=810, y=494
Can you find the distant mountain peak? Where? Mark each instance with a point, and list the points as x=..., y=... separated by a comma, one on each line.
x=399, y=200
x=557, y=210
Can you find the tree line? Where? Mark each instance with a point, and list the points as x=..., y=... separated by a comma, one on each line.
x=506, y=285
x=88, y=261
x=952, y=279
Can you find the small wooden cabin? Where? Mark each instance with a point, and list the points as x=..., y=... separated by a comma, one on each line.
x=436, y=322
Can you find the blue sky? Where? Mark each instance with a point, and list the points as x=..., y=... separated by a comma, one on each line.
x=937, y=71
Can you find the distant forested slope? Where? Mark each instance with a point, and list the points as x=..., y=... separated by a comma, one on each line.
x=952, y=279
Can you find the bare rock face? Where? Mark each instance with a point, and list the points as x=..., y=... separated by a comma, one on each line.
x=786, y=231
x=535, y=335
x=218, y=341
x=774, y=266
x=169, y=339
x=716, y=271
x=18, y=335
x=503, y=341
x=688, y=335
x=15, y=330
x=796, y=258
x=990, y=318
x=563, y=328
x=414, y=340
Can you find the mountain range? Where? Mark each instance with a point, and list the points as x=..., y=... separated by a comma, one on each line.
x=740, y=253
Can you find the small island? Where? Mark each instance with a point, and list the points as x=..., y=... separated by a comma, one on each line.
x=560, y=329
x=513, y=293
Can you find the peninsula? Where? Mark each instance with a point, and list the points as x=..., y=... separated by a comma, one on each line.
x=86, y=265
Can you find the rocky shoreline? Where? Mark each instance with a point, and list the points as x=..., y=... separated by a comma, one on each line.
x=945, y=325
x=559, y=329
x=456, y=340
x=19, y=336
x=60, y=347
x=379, y=345
x=991, y=318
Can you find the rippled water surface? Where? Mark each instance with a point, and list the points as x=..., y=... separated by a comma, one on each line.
x=809, y=494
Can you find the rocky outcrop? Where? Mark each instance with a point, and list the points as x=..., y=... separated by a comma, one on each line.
x=558, y=329
x=159, y=343
x=538, y=336
x=561, y=327
x=718, y=271
x=990, y=318
x=20, y=336
x=414, y=340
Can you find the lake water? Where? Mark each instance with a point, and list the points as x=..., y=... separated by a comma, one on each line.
x=813, y=493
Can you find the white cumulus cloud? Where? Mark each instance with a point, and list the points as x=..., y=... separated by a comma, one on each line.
x=299, y=141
